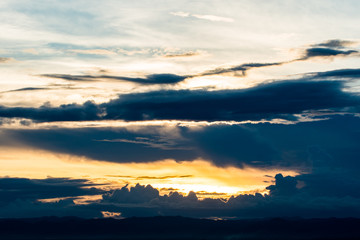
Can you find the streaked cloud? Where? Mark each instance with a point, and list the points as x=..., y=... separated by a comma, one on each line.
x=327, y=53
x=163, y=78
x=5, y=59
x=336, y=43
x=93, y=51
x=180, y=55
x=211, y=18
x=202, y=105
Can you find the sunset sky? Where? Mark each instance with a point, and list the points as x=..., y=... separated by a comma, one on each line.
x=214, y=109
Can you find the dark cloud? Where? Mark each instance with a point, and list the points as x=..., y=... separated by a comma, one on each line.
x=326, y=52
x=330, y=48
x=66, y=112
x=294, y=201
x=243, y=68
x=13, y=189
x=284, y=186
x=297, y=146
x=136, y=194
x=164, y=78
x=83, y=142
x=266, y=101
x=337, y=74
x=27, y=89
x=286, y=199
x=69, y=77
x=335, y=43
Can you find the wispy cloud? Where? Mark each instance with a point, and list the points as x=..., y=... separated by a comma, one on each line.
x=162, y=78
x=177, y=55
x=93, y=51
x=325, y=50
x=5, y=59
x=27, y=89
x=212, y=18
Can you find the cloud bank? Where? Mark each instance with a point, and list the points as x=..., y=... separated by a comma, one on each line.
x=265, y=101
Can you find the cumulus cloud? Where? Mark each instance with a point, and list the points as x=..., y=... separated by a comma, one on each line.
x=295, y=202
x=285, y=199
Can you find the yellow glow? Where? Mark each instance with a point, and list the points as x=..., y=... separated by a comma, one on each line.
x=167, y=175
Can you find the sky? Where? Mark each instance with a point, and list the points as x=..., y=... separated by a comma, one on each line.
x=212, y=109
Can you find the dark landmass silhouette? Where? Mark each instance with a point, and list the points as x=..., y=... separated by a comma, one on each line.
x=56, y=228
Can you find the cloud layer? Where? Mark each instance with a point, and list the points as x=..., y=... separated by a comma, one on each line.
x=286, y=199
x=266, y=101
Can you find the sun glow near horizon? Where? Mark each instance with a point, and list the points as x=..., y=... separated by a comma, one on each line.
x=199, y=176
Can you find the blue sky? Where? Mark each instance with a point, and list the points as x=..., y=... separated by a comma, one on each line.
x=212, y=98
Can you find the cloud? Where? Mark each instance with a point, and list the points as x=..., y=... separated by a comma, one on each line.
x=335, y=43
x=27, y=89
x=326, y=52
x=180, y=55
x=265, y=101
x=243, y=68
x=69, y=77
x=262, y=145
x=13, y=189
x=331, y=48
x=5, y=59
x=337, y=74
x=164, y=177
x=284, y=186
x=163, y=78
x=160, y=142
x=286, y=199
x=295, y=202
x=93, y=51
x=66, y=112
x=180, y=14
x=166, y=78
x=211, y=18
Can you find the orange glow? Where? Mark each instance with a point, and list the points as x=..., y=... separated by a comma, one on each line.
x=199, y=175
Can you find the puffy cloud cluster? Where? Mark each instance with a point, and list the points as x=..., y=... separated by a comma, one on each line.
x=303, y=195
